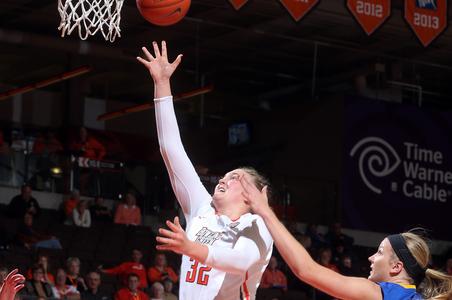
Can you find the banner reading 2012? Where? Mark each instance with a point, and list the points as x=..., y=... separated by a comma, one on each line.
x=427, y=18
x=370, y=14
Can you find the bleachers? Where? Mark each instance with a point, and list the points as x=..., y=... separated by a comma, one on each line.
x=102, y=244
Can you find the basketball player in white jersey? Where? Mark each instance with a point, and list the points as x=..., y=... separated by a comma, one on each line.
x=226, y=248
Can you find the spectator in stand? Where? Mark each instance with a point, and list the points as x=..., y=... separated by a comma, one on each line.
x=73, y=274
x=128, y=213
x=23, y=203
x=30, y=238
x=81, y=215
x=157, y=291
x=161, y=271
x=36, y=286
x=87, y=146
x=132, y=267
x=99, y=211
x=69, y=205
x=168, y=285
x=62, y=290
x=43, y=261
x=131, y=292
x=346, y=266
x=273, y=277
x=317, y=239
x=325, y=257
x=335, y=236
x=93, y=282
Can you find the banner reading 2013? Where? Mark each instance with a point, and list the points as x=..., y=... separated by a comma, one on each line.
x=370, y=14
x=427, y=18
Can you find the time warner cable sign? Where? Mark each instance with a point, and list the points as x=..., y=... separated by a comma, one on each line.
x=398, y=167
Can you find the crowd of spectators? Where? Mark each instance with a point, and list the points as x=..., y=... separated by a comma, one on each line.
x=69, y=284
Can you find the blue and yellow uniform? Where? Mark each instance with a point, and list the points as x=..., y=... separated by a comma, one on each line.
x=394, y=291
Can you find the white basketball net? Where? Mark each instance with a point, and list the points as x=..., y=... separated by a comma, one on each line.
x=90, y=16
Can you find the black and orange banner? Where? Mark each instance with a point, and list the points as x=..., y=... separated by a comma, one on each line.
x=298, y=9
x=238, y=3
x=370, y=14
x=427, y=18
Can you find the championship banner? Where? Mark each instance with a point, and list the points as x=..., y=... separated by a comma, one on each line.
x=427, y=18
x=238, y=3
x=397, y=171
x=299, y=8
x=370, y=14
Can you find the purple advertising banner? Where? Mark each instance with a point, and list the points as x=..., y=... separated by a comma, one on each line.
x=397, y=168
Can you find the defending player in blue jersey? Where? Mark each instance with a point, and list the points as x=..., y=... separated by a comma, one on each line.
x=399, y=268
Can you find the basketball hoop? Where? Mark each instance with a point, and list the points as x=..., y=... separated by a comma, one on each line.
x=90, y=16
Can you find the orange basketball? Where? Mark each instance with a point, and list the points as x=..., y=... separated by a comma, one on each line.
x=163, y=12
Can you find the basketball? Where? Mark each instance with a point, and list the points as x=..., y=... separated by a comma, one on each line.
x=163, y=12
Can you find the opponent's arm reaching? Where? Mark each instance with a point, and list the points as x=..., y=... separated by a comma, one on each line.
x=299, y=260
x=12, y=284
x=186, y=184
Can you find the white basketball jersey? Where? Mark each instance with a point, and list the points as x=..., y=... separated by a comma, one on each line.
x=239, y=250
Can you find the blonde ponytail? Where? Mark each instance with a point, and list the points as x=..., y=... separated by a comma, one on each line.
x=436, y=285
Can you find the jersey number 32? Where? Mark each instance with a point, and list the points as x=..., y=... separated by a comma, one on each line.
x=198, y=273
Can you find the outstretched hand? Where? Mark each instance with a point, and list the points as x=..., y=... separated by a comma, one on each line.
x=13, y=283
x=255, y=198
x=174, y=239
x=158, y=65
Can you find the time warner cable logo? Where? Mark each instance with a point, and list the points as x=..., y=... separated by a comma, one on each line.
x=424, y=172
x=377, y=157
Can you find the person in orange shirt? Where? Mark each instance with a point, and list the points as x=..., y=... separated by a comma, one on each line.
x=132, y=267
x=70, y=204
x=273, y=277
x=88, y=146
x=131, y=292
x=160, y=271
x=43, y=261
x=128, y=213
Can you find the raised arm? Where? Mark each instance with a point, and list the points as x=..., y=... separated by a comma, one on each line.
x=186, y=184
x=299, y=260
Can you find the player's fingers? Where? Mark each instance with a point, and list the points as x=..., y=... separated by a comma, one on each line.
x=172, y=226
x=143, y=61
x=177, y=223
x=164, y=241
x=164, y=53
x=18, y=287
x=163, y=247
x=147, y=53
x=11, y=274
x=166, y=233
x=17, y=277
x=156, y=49
x=177, y=61
x=247, y=186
